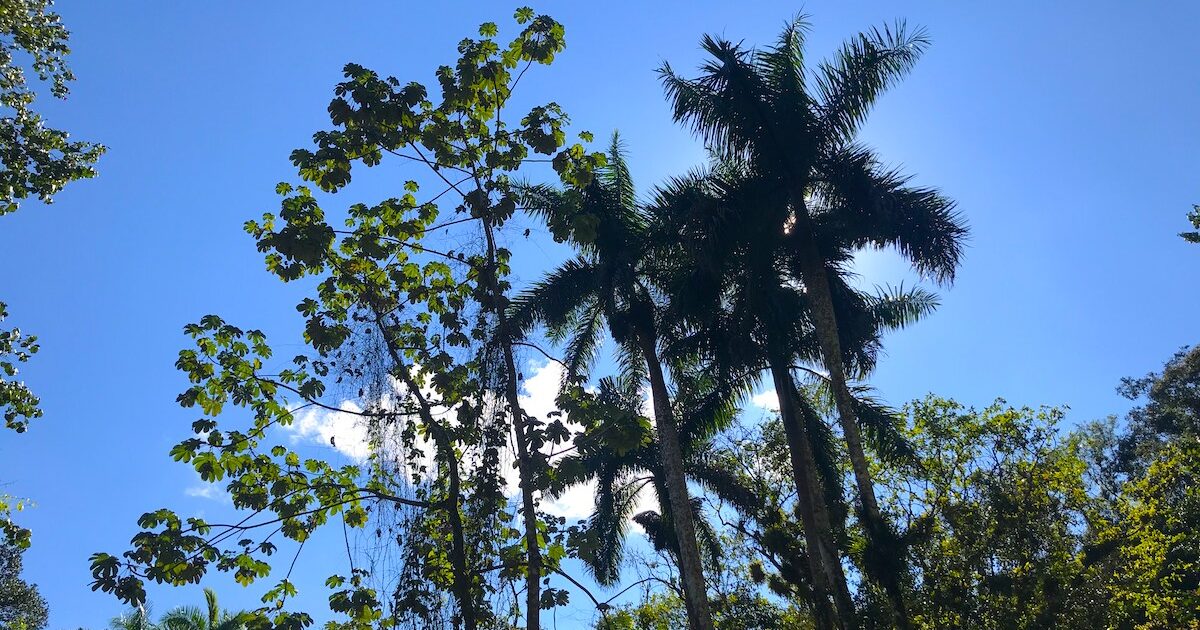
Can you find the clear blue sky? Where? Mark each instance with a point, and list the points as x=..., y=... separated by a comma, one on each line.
x=1067, y=131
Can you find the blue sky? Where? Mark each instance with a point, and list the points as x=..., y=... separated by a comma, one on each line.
x=1066, y=131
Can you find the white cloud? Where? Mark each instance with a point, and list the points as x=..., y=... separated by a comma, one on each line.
x=766, y=399
x=538, y=399
x=343, y=430
x=350, y=436
x=576, y=503
x=541, y=389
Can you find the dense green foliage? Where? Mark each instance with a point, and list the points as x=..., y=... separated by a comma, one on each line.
x=37, y=161
x=1010, y=520
x=993, y=515
x=1154, y=524
x=19, y=404
x=21, y=606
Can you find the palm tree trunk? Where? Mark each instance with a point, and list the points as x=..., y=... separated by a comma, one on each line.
x=825, y=563
x=816, y=283
x=691, y=572
x=533, y=570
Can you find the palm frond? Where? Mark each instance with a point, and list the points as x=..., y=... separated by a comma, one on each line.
x=708, y=405
x=583, y=343
x=570, y=471
x=607, y=527
x=214, y=611
x=542, y=200
x=706, y=536
x=713, y=471
x=826, y=455
x=783, y=69
x=866, y=66
x=725, y=106
x=783, y=63
x=897, y=307
x=184, y=618
x=616, y=173
x=678, y=195
x=656, y=528
x=232, y=622
x=554, y=300
x=882, y=427
x=136, y=619
x=876, y=208
x=632, y=369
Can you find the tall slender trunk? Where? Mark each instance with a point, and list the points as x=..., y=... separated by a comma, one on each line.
x=817, y=286
x=825, y=564
x=458, y=550
x=691, y=571
x=458, y=553
x=533, y=571
x=533, y=576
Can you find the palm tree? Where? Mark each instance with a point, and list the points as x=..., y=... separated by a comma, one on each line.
x=210, y=618
x=136, y=619
x=623, y=473
x=612, y=450
x=743, y=313
x=745, y=318
x=609, y=282
x=623, y=467
x=824, y=195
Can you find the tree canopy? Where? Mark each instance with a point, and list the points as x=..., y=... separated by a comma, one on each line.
x=21, y=606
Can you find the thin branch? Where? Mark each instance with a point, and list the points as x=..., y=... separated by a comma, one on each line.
x=601, y=606
x=539, y=349
x=424, y=160
x=419, y=248
x=626, y=589
x=454, y=222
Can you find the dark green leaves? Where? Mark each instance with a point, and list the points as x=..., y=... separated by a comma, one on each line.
x=37, y=160
x=1194, y=217
x=18, y=403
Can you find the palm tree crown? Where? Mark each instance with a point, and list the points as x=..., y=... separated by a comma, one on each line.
x=211, y=617
x=815, y=197
x=609, y=282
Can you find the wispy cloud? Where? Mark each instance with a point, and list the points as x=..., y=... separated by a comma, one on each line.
x=208, y=491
